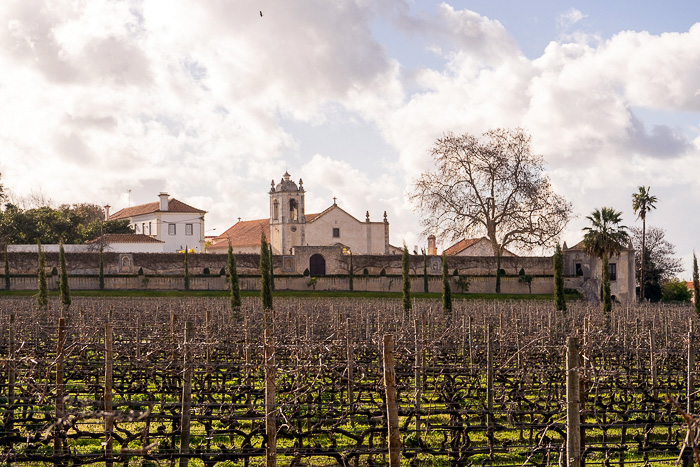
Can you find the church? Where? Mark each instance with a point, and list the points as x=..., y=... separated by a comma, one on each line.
x=296, y=235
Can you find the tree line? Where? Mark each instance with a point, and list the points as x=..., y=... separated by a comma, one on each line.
x=69, y=223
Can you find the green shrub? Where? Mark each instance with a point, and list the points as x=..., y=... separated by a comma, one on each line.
x=675, y=290
x=463, y=283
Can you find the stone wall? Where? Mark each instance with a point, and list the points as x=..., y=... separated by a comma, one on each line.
x=336, y=263
x=540, y=285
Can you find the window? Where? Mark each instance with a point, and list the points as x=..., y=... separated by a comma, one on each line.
x=579, y=269
x=143, y=228
x=275, y=210
x=613, y=271
x=171, y=229
x=149, y=229
x=293, y=210
x=136, y=228
x=336, y=232
x=188, y=229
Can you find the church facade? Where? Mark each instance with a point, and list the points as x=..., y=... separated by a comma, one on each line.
x=290, y=229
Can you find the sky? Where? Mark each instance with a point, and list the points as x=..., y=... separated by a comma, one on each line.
x=112, y=102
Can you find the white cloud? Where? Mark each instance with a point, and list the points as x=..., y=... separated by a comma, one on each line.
x=570, y=17
x=102, y=97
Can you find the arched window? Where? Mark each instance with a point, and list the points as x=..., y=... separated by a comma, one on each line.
x=293, y=210
x=275, y=210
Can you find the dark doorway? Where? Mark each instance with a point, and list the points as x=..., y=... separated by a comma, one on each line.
x=317, y=265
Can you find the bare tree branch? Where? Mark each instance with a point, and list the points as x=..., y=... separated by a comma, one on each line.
x=490, y=186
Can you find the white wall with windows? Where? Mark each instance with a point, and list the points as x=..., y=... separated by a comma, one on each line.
x=337, y=226
x=179, y=230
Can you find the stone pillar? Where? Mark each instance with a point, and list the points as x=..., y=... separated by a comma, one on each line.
x=386, y=235
x=368, y=234
x=432, y=248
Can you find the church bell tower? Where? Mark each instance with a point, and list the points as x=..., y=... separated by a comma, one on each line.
x=287, y=220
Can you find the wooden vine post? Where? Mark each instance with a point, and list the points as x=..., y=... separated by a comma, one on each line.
x=652, y=364
x=391, y=403
x=691, y=373
x=573, y=417
x=489, y=388
x=471, y=343
x=270, y=407
x=417, y=375
x=186, y=397
x=11, y=376
x=109, y=417
x=60, y=390
x=348, y=344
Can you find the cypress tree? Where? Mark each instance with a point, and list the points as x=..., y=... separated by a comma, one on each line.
x=102, y=269
x=350, y=275
x=559, y=302
x=234, y=287
x=446, y=292
x=607, y=298
x=272, y=269
x=696, y=285
x=64, y=290
x=265, y=284
x=425, y=272
x=42, y=297
x=498, y=270
x=405, y=280
x=187, y=271
x=7, y=270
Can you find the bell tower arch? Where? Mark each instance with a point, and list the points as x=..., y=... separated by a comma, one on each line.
x=287, y=220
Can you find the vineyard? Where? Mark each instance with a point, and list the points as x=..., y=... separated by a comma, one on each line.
x=171, y=381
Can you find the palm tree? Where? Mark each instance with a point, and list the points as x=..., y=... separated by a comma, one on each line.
x=642, y=202
x=605, y=237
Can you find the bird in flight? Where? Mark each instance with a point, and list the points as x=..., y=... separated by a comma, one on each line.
x=261, y=14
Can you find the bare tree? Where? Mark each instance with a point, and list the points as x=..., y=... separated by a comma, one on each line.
x=491, y=186
x=659, y=252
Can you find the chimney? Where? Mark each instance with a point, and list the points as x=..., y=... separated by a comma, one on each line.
x=163, y=201
x=107, y=206
x=432, y=249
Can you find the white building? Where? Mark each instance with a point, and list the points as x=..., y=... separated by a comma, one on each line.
x=127, y=243
x=117, y=243
x=169, y=220
x=289, y=226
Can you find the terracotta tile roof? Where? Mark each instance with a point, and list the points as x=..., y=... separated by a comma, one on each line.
x=243, y=233
x=246, y=233
x=468, y=242
x=174, y=205
x=461, y=245
x=126, y=238
x=578, y=246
